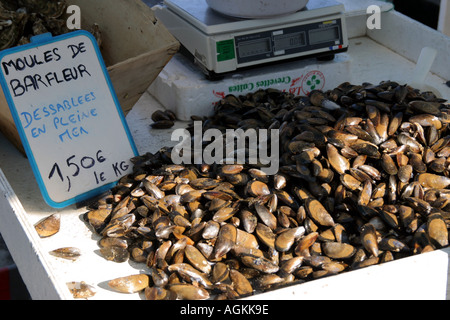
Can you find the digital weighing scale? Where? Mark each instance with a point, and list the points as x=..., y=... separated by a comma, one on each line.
x=221, y=44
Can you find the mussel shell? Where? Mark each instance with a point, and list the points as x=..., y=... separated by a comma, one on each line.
x=267, y=281
x=265, y=235
x=240, y=283
x=189, y=272
x=437, y=230
x=286, y=239
x=306, y=242
x=429, y=180
x=81, y=290
x=220, y=272
x=163, y=124
x=211, y=230
x=115, y=253
x=369, y=239
x=337, y=250
x=390, y=218
x=98, y=218
x=318, y=213
x=258, y=175
x=185, y=291
x=405, y=173
x=130, y=284
x=158, y=293
x=392, y=244
x=388, y=164
x=48, y=226
x=225, y=240
x=69, y=253
x=260, y=263
x=266, y=216
x=366, y=148
x=426, y=107
x=204, y=183
x=159, y=115
x=315, y=260
x=249, y=221
x=303, y=272
x=159, y=277
x=224, y=214
x=257, y=188
x=291, y=265
x=334, y=267
x=337, y=161
x=365, y=263
x=246, y=240
x=197, y=259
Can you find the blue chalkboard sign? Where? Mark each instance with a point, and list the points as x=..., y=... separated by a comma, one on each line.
x=68, y=116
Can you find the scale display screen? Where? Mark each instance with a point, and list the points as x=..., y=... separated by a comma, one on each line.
x=289, y=41
x=293, y=40
x=254, y=48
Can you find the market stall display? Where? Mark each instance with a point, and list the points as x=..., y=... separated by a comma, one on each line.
x=237, y=232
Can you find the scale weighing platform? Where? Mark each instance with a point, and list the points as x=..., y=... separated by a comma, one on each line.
x=221, y=44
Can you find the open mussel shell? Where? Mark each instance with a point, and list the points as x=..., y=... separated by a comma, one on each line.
x=48, y=226
x=69, y=253
x=81, y=290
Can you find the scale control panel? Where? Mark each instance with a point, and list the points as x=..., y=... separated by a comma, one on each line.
x=323, y=38
x=289, y=41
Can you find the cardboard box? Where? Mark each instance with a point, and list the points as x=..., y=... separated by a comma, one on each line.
x=135, y=47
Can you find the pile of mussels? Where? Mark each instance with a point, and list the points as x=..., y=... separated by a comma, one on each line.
x=363, y=178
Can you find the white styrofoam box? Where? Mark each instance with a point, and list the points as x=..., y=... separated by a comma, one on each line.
x=184, y=89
